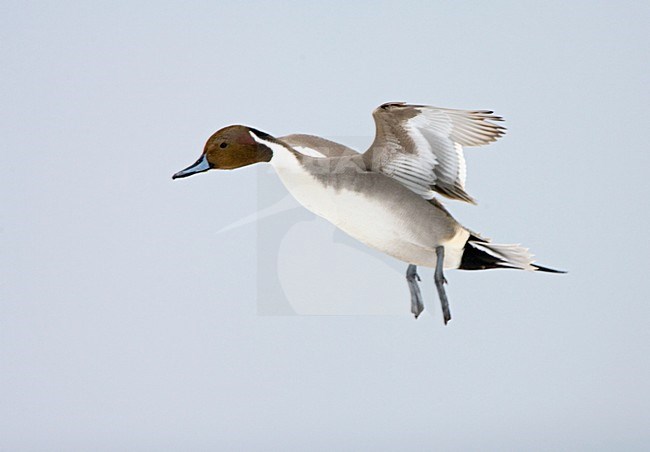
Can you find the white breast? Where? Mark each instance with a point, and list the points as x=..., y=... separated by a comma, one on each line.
x=364, y=218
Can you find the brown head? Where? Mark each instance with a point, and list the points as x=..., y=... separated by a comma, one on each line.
x=229, y=148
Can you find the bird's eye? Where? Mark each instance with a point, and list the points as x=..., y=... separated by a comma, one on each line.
x=223, y=145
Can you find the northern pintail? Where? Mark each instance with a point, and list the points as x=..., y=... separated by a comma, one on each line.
x=385, y=197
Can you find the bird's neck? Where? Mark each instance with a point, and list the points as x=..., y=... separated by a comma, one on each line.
x=284, y=157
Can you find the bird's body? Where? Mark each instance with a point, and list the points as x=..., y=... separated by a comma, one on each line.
x=385, y=197
x=369, y=206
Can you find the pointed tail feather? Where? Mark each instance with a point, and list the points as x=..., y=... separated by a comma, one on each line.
x=481, y=254
x=540, y=268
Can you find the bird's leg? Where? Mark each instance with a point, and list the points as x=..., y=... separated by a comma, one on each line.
x=440, y=280
x=412, y=279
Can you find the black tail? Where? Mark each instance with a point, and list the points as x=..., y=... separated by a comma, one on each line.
x=539, y=268
x=481, y=254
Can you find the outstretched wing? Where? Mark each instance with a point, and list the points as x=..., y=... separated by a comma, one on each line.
x=422, y=146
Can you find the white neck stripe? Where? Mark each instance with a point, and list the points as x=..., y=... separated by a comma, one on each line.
x=281, y=155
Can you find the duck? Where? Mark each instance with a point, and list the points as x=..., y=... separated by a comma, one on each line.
x=388, y=197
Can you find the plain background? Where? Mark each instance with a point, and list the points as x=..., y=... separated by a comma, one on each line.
x=127, y=322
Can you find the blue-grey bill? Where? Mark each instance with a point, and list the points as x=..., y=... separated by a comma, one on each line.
x=199, y=166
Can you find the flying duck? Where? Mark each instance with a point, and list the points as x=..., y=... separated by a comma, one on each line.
x=385, y=197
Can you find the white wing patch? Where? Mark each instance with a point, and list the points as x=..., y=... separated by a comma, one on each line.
x=436, y=128
x=414, y=173
x=462, y=166
x=311, y=152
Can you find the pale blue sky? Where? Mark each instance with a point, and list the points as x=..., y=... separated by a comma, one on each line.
x=128, y=323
